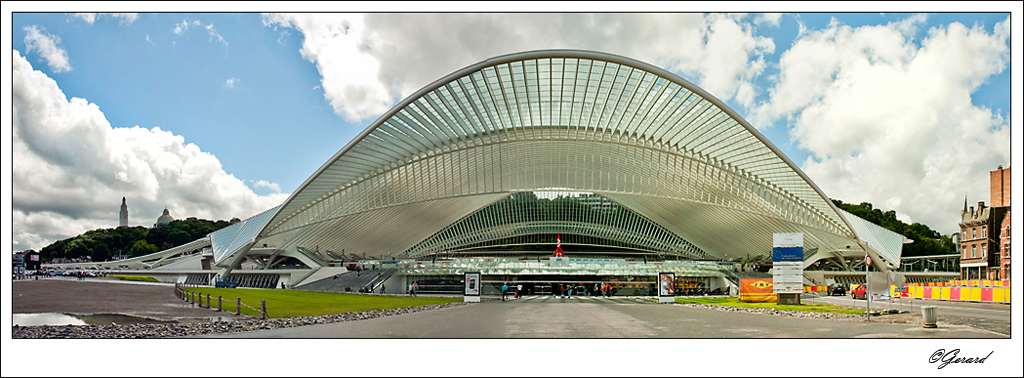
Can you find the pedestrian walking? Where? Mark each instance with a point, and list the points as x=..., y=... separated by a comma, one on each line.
x=504, y=291
x=415, y=287
x=519, y=290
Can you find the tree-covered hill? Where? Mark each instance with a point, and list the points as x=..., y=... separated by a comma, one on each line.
x=926, y=241
x=102, y=244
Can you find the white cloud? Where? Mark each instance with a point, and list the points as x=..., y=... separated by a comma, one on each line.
x=90, y=18
x=71, y=169
x=48, y=46
x=215, y=35
x=181, y=28
x=231, y=82
x=908, y=26
x=126, y=18
x=266, y=184
x=891, y=123
x=772, y=19
x=369, y=62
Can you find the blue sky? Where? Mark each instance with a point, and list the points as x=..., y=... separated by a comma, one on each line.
x=221, y=115
x=270, y=98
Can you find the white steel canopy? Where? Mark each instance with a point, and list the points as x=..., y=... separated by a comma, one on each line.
x=566, y=120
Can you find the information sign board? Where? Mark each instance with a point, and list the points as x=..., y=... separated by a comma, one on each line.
x=787, y=263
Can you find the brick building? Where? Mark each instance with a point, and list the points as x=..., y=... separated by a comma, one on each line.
x=31, y=258
x=1004, y=243
x=984, y=232
x=999, y=185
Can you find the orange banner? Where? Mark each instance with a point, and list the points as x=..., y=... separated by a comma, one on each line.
x=756, y=290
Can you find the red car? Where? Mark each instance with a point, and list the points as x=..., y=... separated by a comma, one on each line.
x=860, y=291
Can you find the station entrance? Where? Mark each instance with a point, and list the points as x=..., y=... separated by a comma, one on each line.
x=581, y=285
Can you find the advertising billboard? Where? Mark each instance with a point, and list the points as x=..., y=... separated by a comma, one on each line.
x=666, y=287
x=472, y=281
x=756, y=290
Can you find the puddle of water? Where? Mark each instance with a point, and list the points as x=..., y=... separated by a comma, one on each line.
x=56, y=318
x=51, y=318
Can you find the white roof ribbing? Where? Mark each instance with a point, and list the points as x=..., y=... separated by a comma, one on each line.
x=563, y=118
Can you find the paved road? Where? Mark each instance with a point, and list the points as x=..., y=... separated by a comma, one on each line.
x=588, y=317
x=991, y=316
x=104, y=296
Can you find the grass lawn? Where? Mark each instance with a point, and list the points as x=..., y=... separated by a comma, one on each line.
x=292, y=303
x=808, y=307
x=136, y=278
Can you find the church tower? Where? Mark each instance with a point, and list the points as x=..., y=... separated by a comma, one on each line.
x=124, y=213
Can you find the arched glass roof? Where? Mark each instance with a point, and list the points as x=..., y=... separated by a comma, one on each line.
x=558, y=119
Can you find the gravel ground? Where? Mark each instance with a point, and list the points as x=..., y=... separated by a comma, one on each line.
x=153, y=301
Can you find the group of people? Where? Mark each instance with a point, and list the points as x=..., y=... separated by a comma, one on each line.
x=565, y=290
x=413, y=287
x=505, y=290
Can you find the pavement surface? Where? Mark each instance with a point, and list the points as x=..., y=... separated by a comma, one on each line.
x=527, y=317
x=983, y=315
x=590, y=317
x=104, y=296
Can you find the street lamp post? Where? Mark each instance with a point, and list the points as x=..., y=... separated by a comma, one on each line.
x=867, y=278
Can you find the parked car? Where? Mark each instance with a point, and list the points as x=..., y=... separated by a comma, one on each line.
x=860, y=292
x=836, y=289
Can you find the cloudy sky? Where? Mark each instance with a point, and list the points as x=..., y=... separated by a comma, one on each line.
x=220, y=115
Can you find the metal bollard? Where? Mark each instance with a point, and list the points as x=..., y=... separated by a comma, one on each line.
x=238, y=306
x=263, y=308
x=220, y=304
x=930, y=316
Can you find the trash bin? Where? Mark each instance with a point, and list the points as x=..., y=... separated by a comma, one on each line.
x=930, y=316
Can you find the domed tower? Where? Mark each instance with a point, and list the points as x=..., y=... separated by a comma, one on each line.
x=124, y=213
x=164, y=219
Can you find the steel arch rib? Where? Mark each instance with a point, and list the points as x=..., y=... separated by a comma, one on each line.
x=481, y=121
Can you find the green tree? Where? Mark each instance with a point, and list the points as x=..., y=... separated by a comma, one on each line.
x=179, y=237
x=142, y=247
x=926, y=241
x=100, y=252
x=76, y=248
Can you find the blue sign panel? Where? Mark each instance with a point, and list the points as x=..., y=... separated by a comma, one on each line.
x=788, y=254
